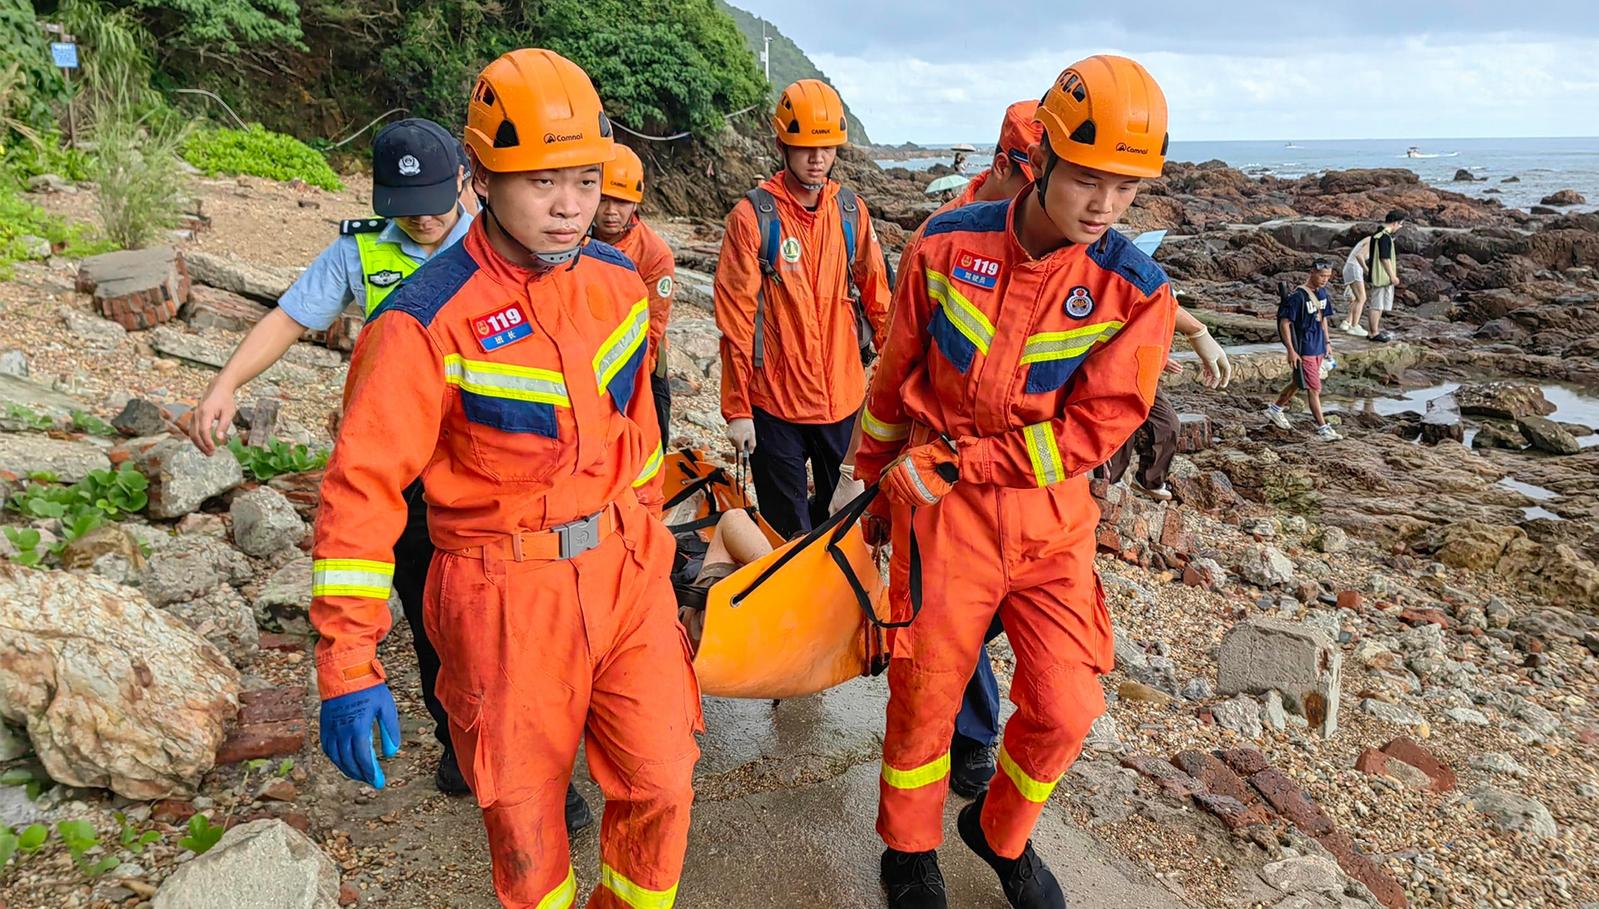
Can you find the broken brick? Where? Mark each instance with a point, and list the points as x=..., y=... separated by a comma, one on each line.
x=1411, y=752
x=1215, y=775
x=1424, y=615
x=1362, y=868
x=1244, y=761
x=271, y=705
x=287, y=643
x=1233, y=814
x=1349, y=599
x=1290, y=801
x=264, y=740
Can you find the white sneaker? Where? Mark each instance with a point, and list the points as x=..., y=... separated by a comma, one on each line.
x=1325, y=433
x=1159, y=493
x=1276, y=415
x=1344, y=325
x=1356, y=330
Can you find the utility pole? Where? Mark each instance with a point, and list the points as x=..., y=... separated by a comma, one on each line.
x=766, y=52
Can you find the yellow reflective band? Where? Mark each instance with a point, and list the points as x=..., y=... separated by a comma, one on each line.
x=634, y=895
x=1064, y=345
x=921, y=776
x=351, y=578
x=561, y=897
x=883, y=432
x=1031, y=789
x=651, y=468
x=502, y=380
x=961, y=312
x=1045, y=455
x=616, y=350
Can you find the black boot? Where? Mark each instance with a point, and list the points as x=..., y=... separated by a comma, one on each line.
x=1027, y=881
x=448, y=777
x=971, y=766
x=578, y=814
x=912, y=880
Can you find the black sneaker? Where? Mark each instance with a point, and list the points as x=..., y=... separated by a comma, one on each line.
x=1027, y=881
x=913, y=880
x=578, y=814
x=971, y=766
x=448, y=776
x=1380, y=337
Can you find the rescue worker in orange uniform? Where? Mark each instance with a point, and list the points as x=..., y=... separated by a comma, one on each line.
x=797, y=250
x=618, y=223
x=508, y=374
x=1010, y=172
x=1027, y=341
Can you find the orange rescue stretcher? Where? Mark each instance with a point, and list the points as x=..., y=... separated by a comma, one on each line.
x=805, y=617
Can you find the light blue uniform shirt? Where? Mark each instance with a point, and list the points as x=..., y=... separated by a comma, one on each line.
x=334, y=279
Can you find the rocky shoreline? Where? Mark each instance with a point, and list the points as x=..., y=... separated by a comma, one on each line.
x=1434, y=743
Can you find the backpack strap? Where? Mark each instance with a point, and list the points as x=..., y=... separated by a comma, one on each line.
x=849, y=211
x=769, y=229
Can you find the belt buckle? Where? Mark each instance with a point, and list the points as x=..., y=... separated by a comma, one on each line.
x=578, y=537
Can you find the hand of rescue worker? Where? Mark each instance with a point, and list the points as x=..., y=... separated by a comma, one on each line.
x=741, y=433
x=1218, y=370
x=847, y=489
x=1172, y=367
x=877, y=523
x=347, y=732
x=213, y=418
x=922, y=475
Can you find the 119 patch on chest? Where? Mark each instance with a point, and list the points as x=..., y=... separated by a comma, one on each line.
x=980, y=271
x=501, y=327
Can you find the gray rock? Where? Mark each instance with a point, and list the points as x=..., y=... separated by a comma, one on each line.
x=1304, y=874
x=226, y=620
x=1466, y=716
x=1197, y=690
x=13, y=743
x=1500, y=614
x=33, y=247
x=284, y=598
x=182, y=478
x=1398, y=714
x=1273, y=711
x=260, y=282
x=25, y=453
x=1241, y=715
x=1266, y=566
x=14, y=362
x=51, y=183
x=1498, y=762
x=1511, y=812
x=260, y=865
x=1265, y=528
x=179, y=574
x=140, y=418
x=1442, y=421
x=1299, y=662
x=1331, y=539
x=1503, y=400
x=1104, y=735
x=264, y=522
x=95, y=332
x=1547, y=435
x=17, y=810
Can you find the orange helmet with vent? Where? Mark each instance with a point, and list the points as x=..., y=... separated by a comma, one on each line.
x=533, y=109
x=1107, y=113
x=810, y=114
x=624, y=176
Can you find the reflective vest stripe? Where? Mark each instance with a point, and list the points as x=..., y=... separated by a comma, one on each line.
x=502, y=380
x=377, y=257
x=961, y=312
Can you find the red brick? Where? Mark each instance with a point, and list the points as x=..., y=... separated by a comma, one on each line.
x=1109, y=540
x=264, y=740
x=1173, y=782
x=1360, y=866
x=1193, y=432
x=172, y=811
x=1235, y=815
x=1215, y=775
x=1290, y=801
x=288, y=643
x=1430, y=615
x=1172, y=533
x=1373, y=762
x=1349, y=599
x=1244, y=761
x=348, y=895
x=1408, y=750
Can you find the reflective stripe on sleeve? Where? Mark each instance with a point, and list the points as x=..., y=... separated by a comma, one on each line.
x=881, y=431
x=1065, y=345
x=1044, y=453
x=351, y=578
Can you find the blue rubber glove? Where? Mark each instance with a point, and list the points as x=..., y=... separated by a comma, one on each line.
x=347, y=732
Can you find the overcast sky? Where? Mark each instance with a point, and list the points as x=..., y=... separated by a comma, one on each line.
x=939, y=71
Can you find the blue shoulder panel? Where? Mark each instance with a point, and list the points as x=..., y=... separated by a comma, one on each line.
x=977, y=218
x=605, y=252
x=428, y=288
x=1117, y=254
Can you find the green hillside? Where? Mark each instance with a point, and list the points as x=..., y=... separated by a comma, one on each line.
x=789, y=63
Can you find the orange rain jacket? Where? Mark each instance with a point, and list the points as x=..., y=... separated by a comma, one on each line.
x=655, y=265
x=812, y=371
x=518, y=416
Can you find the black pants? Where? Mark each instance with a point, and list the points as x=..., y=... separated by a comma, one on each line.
x=661, y=388
x=782, y=449
x=1156, y=444
x=978, y=719
x=412, y=555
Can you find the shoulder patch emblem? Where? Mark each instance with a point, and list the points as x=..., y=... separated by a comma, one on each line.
x=790, y=249
x=388, y=277
x=663, y=287
x=1080, y=303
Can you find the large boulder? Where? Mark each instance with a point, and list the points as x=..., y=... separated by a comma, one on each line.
x=1509, y=812
x=181, y=573
x=1547, y=435
x=25, y=453
x=112, y=692
x=1472, y=545
x=1503, y=400
x=181, y=477
x=1293, y=659
x=264, y=522
x=260, y=865
x=1563, y=197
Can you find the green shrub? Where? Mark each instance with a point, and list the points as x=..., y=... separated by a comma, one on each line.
x=136, y=166
x=20, y=218
x=259, y=152
x=276, y=459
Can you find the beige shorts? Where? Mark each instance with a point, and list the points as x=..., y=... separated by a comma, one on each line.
x=1381, y=299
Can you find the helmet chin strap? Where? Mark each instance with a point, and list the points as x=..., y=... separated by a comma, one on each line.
x=1041, y=184
x=542, y=260
x=810, y=187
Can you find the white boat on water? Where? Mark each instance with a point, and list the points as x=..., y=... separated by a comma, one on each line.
x=1416, y=152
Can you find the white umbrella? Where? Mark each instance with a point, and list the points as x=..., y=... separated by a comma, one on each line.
x=947, y=183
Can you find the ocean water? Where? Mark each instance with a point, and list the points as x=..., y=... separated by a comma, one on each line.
x=1543, y=165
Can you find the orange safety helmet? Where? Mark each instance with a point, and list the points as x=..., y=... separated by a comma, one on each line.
x=1019, y=132
x=534, y=109
x=1107, y=113
x=624, y=176
x=810, y=114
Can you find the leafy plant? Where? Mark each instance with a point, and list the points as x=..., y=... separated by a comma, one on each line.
x=83, y=421
x=259, y=152
x=26, y=541
x=33, y=838
x=33, y=784
x=115, y=491
x=277, y=458
x=202, y=835
x=28, y=418
x=285, y=767
x=132, y=840
x=20, y=218
x=80, y=837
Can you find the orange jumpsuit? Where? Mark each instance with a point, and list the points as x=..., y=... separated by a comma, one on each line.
x=653, y=258
x=518, y=397
x=1039, y=369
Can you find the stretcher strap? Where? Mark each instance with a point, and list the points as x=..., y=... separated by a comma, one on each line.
x=701, y=523
x=717, y=475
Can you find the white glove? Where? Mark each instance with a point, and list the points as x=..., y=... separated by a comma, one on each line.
x=846, y=491
x=741, y=433
x=1218, y=371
